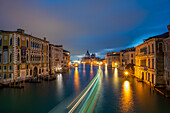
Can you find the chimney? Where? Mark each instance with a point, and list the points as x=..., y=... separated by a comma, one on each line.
x=20, y=31
x=169, y=29
x=44, y=38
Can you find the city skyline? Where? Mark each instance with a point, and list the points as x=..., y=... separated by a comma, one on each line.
x=97, y=26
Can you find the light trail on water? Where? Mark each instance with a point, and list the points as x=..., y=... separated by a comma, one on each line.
x=87, y=99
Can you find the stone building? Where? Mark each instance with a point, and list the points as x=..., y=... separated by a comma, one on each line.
x=127, y=56
x=150, y=60
x=22, y=55
x=167, y=60
x=56, y=58
x=66, y=60
x=112, y=59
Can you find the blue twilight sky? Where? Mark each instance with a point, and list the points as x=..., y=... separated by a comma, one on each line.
x=96, y=25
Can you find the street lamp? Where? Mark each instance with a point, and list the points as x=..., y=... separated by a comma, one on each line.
x=126, y=73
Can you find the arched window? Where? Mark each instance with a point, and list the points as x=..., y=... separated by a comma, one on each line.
x=18, y=57
x=31, y=57
x=18, y=41
x=160, y=47
x=42, y=58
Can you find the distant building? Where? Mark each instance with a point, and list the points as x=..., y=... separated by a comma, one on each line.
x=56, y=58
x=127, y=56
x=66, y=60
x=150, y=60
x=112, y=59
x=88, y=59
x=22, y=55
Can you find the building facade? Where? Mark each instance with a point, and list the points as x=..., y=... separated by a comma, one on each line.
x=112, y=59
x=66, y=60
x=167, y=60
x=128, y=56
x=150, y=60
x=56, y=58
x=22, y=55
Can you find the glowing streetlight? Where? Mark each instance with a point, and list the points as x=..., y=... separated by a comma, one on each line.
x=116, y=64
x=126, y=73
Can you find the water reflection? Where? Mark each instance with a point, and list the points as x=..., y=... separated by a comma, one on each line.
x=59, y=84
x=84, y=67
x=91, y=70
x=126, y=97
x=115, y=78
x=76, y=79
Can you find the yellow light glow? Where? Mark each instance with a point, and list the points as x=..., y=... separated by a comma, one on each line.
x=126, y=85
x=126, y=73
x=115, y=63
x=126, y=97
x=76, y=79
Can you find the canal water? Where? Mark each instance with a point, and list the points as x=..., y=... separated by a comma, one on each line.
x=117, y=94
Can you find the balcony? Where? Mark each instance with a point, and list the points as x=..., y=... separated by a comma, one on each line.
x=142, y=53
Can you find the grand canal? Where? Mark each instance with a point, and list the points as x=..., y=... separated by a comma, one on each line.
x=117, y=94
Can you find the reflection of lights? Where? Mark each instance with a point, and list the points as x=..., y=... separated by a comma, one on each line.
x=60, y=84
x=116, y=81
x=126, y=97
x=76, y=79
x=126, y=85
x=91, y=70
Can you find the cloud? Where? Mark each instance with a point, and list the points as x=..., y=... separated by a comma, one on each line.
x=94, y=25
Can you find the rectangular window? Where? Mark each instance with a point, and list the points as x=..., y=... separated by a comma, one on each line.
x=148, y=63
x=132, y=61
x=0, y=41
x=152, y=63
x=4, y=67
x=27, y=73
x=10, y=57
x=152, y=48
x=168, y=82
x=0, y=57
x=18, y=67
x=27, y=66
x=30, y=72
x=0, y=67
x=148, y=49
x=10, y=67
x=10, y=75
x=148, y=76
x=131, y=55
x=42, y=46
